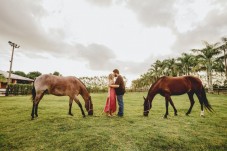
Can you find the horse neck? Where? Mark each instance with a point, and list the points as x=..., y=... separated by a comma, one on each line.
x=85, y=94
x=152, y=92
x=151, y=96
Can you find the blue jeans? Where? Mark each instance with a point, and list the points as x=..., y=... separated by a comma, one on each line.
x=120, y=104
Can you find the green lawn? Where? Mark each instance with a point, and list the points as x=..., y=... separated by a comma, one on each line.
x=55, y=130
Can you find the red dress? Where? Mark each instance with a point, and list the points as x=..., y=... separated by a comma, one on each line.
x=110, y=101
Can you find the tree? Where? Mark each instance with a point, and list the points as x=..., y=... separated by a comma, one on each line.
x=2, y=78
x=155, y=70
x=187, y=62
x=223, y=47
x=96, y=83
x=144, y=82
x=33, y=74
x=209, y=59
x=135, y=84
x=20, y=73
x=206, y=58
x=57, y=73
x=218, y=66
x=170, y=67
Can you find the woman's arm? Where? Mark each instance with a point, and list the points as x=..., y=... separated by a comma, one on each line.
x=114, y=86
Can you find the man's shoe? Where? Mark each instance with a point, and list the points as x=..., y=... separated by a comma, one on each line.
x=120, y=115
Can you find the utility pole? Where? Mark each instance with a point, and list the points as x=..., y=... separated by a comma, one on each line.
x=11, y=61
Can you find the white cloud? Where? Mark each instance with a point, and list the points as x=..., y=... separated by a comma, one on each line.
x=95, y=36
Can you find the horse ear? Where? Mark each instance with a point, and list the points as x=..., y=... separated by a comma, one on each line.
x=144, y=98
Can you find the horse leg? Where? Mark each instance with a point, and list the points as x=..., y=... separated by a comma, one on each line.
x=175, y=110
x=70, y=106
x=201, y=103
x=167, y=105
x=33, y=110
x=35, y=107
x=79, y=104
x=37, y=104
x=36, y=101
x=190, y=95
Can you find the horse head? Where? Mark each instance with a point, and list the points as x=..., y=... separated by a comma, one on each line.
x=147, y=106
x=89, y=106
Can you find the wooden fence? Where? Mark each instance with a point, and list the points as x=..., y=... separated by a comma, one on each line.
x=25, y=89
x=220, y=90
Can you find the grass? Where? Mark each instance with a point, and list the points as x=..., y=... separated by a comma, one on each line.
x=55, y=130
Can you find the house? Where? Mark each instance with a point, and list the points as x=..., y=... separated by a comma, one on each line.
x=15, y=79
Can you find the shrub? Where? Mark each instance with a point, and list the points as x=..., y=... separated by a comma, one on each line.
x=18, y=89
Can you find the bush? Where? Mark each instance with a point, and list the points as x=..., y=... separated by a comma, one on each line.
x=97, y=89
x=18, y=89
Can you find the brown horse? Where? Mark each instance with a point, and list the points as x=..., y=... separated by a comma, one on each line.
x=60, y=86
x=167, y=86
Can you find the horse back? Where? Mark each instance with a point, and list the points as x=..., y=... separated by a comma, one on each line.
x=195, y=82
x=178, y=85
x=57, y=85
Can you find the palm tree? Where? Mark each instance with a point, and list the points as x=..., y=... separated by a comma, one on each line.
x=224, y=48
x=219, y=66
x=146, y=80
x=170, y=67
x=155, y=70
x=187, y=62
x=206, y=58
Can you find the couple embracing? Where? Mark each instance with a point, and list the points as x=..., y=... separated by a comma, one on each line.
x=116, y=90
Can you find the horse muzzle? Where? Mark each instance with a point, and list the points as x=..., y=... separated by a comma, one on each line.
x=90, y=112
x=145, y=113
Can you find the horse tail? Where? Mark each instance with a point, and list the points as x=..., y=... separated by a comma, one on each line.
x=33, y=92
x=205, y=101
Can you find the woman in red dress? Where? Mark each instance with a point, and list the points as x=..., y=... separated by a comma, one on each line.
x=110, y=106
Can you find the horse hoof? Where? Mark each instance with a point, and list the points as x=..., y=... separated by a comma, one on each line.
x=71, y=114
x=202, y=113
x=175, y=114
x=165, y=116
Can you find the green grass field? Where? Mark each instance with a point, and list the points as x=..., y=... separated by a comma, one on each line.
x=55, y=130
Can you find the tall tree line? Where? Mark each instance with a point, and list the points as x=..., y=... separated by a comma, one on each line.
x=33, y=74
x=97, y=83
x=211, y=59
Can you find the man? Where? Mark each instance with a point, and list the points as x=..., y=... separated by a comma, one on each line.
x=119, y=86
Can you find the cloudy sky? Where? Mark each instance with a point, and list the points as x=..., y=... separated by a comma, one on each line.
x=92, y=37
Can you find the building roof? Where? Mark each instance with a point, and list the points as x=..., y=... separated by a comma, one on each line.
x=14, y=76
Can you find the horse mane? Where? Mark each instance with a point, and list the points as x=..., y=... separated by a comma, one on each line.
x=153, y=85
x=83, y=85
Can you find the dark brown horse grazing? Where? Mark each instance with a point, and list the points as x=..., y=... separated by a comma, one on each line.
x=167, y=86
x=60, y=86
